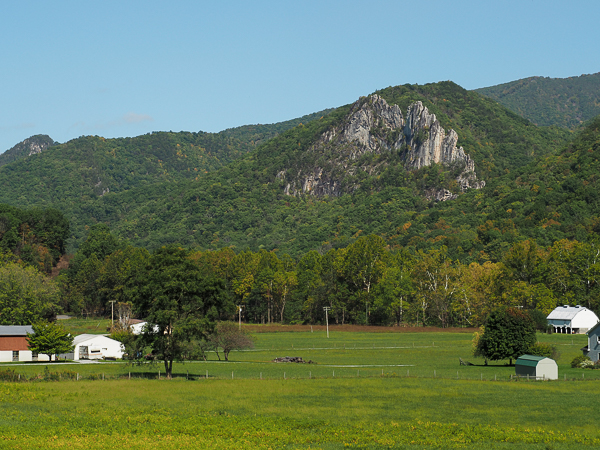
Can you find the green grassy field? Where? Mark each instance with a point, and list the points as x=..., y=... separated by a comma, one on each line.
x=423, y=400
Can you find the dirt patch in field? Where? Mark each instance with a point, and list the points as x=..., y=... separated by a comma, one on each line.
x=274, y=328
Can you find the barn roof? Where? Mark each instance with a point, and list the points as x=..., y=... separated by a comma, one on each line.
x=15, y=330
x=530, y=360
x=566, y=312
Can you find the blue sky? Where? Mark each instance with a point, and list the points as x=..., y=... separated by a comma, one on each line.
x=125, y=68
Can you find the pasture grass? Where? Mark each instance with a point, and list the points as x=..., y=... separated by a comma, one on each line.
x=355, y=407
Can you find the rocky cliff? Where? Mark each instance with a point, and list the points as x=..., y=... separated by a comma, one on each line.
x=30, y=146
x=374, y=127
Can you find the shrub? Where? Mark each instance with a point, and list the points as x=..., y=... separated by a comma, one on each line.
x=578, y=360
x=588, y=364
x=544, y=349
x=539, y=319
x=8, y=375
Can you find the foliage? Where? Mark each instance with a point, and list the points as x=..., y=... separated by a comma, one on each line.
x=36, y=236
x=50, y=338
x=26, y=295
x=228, y=336
x=565, y=102
x=544, y=349
x=179, y=304
x=509, y=333
x=578, y=360
x=539, y=318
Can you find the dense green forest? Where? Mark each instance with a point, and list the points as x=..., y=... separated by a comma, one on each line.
x=367, y=282
x=36, y=236
x=243, y=205
x=178, y=188
x=74, y=176
x=381, y=254
x=565, y=102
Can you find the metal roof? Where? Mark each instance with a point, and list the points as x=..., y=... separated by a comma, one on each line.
x=15, y=330
x=87, y=337
x=530, y=360
x=566, y=312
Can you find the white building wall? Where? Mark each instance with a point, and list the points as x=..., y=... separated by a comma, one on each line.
x=5, y=356
x=547, y=369
x=25, y=356
x=585, y=319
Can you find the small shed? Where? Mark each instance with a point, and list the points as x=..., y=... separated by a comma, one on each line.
x=536, y=367
x=572, y=319
x=95, y=346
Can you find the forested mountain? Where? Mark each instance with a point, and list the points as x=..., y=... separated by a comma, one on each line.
x=245, y=204
x=565, y=102
x=77, y=173
x=30, y=146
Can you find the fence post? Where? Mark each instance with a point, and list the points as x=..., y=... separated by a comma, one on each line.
x=78, y=377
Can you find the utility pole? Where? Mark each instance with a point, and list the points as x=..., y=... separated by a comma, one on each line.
x=326, y=309
x=112, y=308
x=240, y=315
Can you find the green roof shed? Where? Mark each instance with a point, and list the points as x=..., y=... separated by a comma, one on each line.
x=536, y=367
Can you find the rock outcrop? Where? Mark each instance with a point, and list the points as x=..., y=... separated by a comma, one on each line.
x=30, y=146
x=373, y=126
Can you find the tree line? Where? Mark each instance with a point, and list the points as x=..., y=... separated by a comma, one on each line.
x=366, y=282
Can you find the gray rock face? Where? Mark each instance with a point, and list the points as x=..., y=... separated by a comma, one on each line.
x=373, y=126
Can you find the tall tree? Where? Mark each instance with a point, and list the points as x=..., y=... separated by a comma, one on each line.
x=50, y=338
x=179, y=304
x=509, y=333
x=26, y=295
x=364, y=265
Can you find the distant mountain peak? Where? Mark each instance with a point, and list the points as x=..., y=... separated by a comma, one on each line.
x=30, y=146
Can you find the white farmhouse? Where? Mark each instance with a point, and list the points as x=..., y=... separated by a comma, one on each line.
x=572, y=319
x=96, y=346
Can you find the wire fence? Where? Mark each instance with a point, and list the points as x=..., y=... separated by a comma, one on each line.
x=9, y=375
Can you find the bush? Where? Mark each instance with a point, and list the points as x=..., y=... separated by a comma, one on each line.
x=576, y=363
x=539, y=319
x=544, y=349
x=8, y=375
x=587, y=365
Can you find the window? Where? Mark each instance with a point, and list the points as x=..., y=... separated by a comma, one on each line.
x=34, y=356
x=15, y=355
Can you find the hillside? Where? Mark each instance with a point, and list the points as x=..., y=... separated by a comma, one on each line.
x=245, y=204
x=564, y=102
x=76, y=173
x=30, y=146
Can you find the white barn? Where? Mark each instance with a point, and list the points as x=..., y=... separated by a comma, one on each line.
x=95, y=346
x=572, y=319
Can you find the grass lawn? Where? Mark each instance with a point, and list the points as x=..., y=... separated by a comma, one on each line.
x=346, y=402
